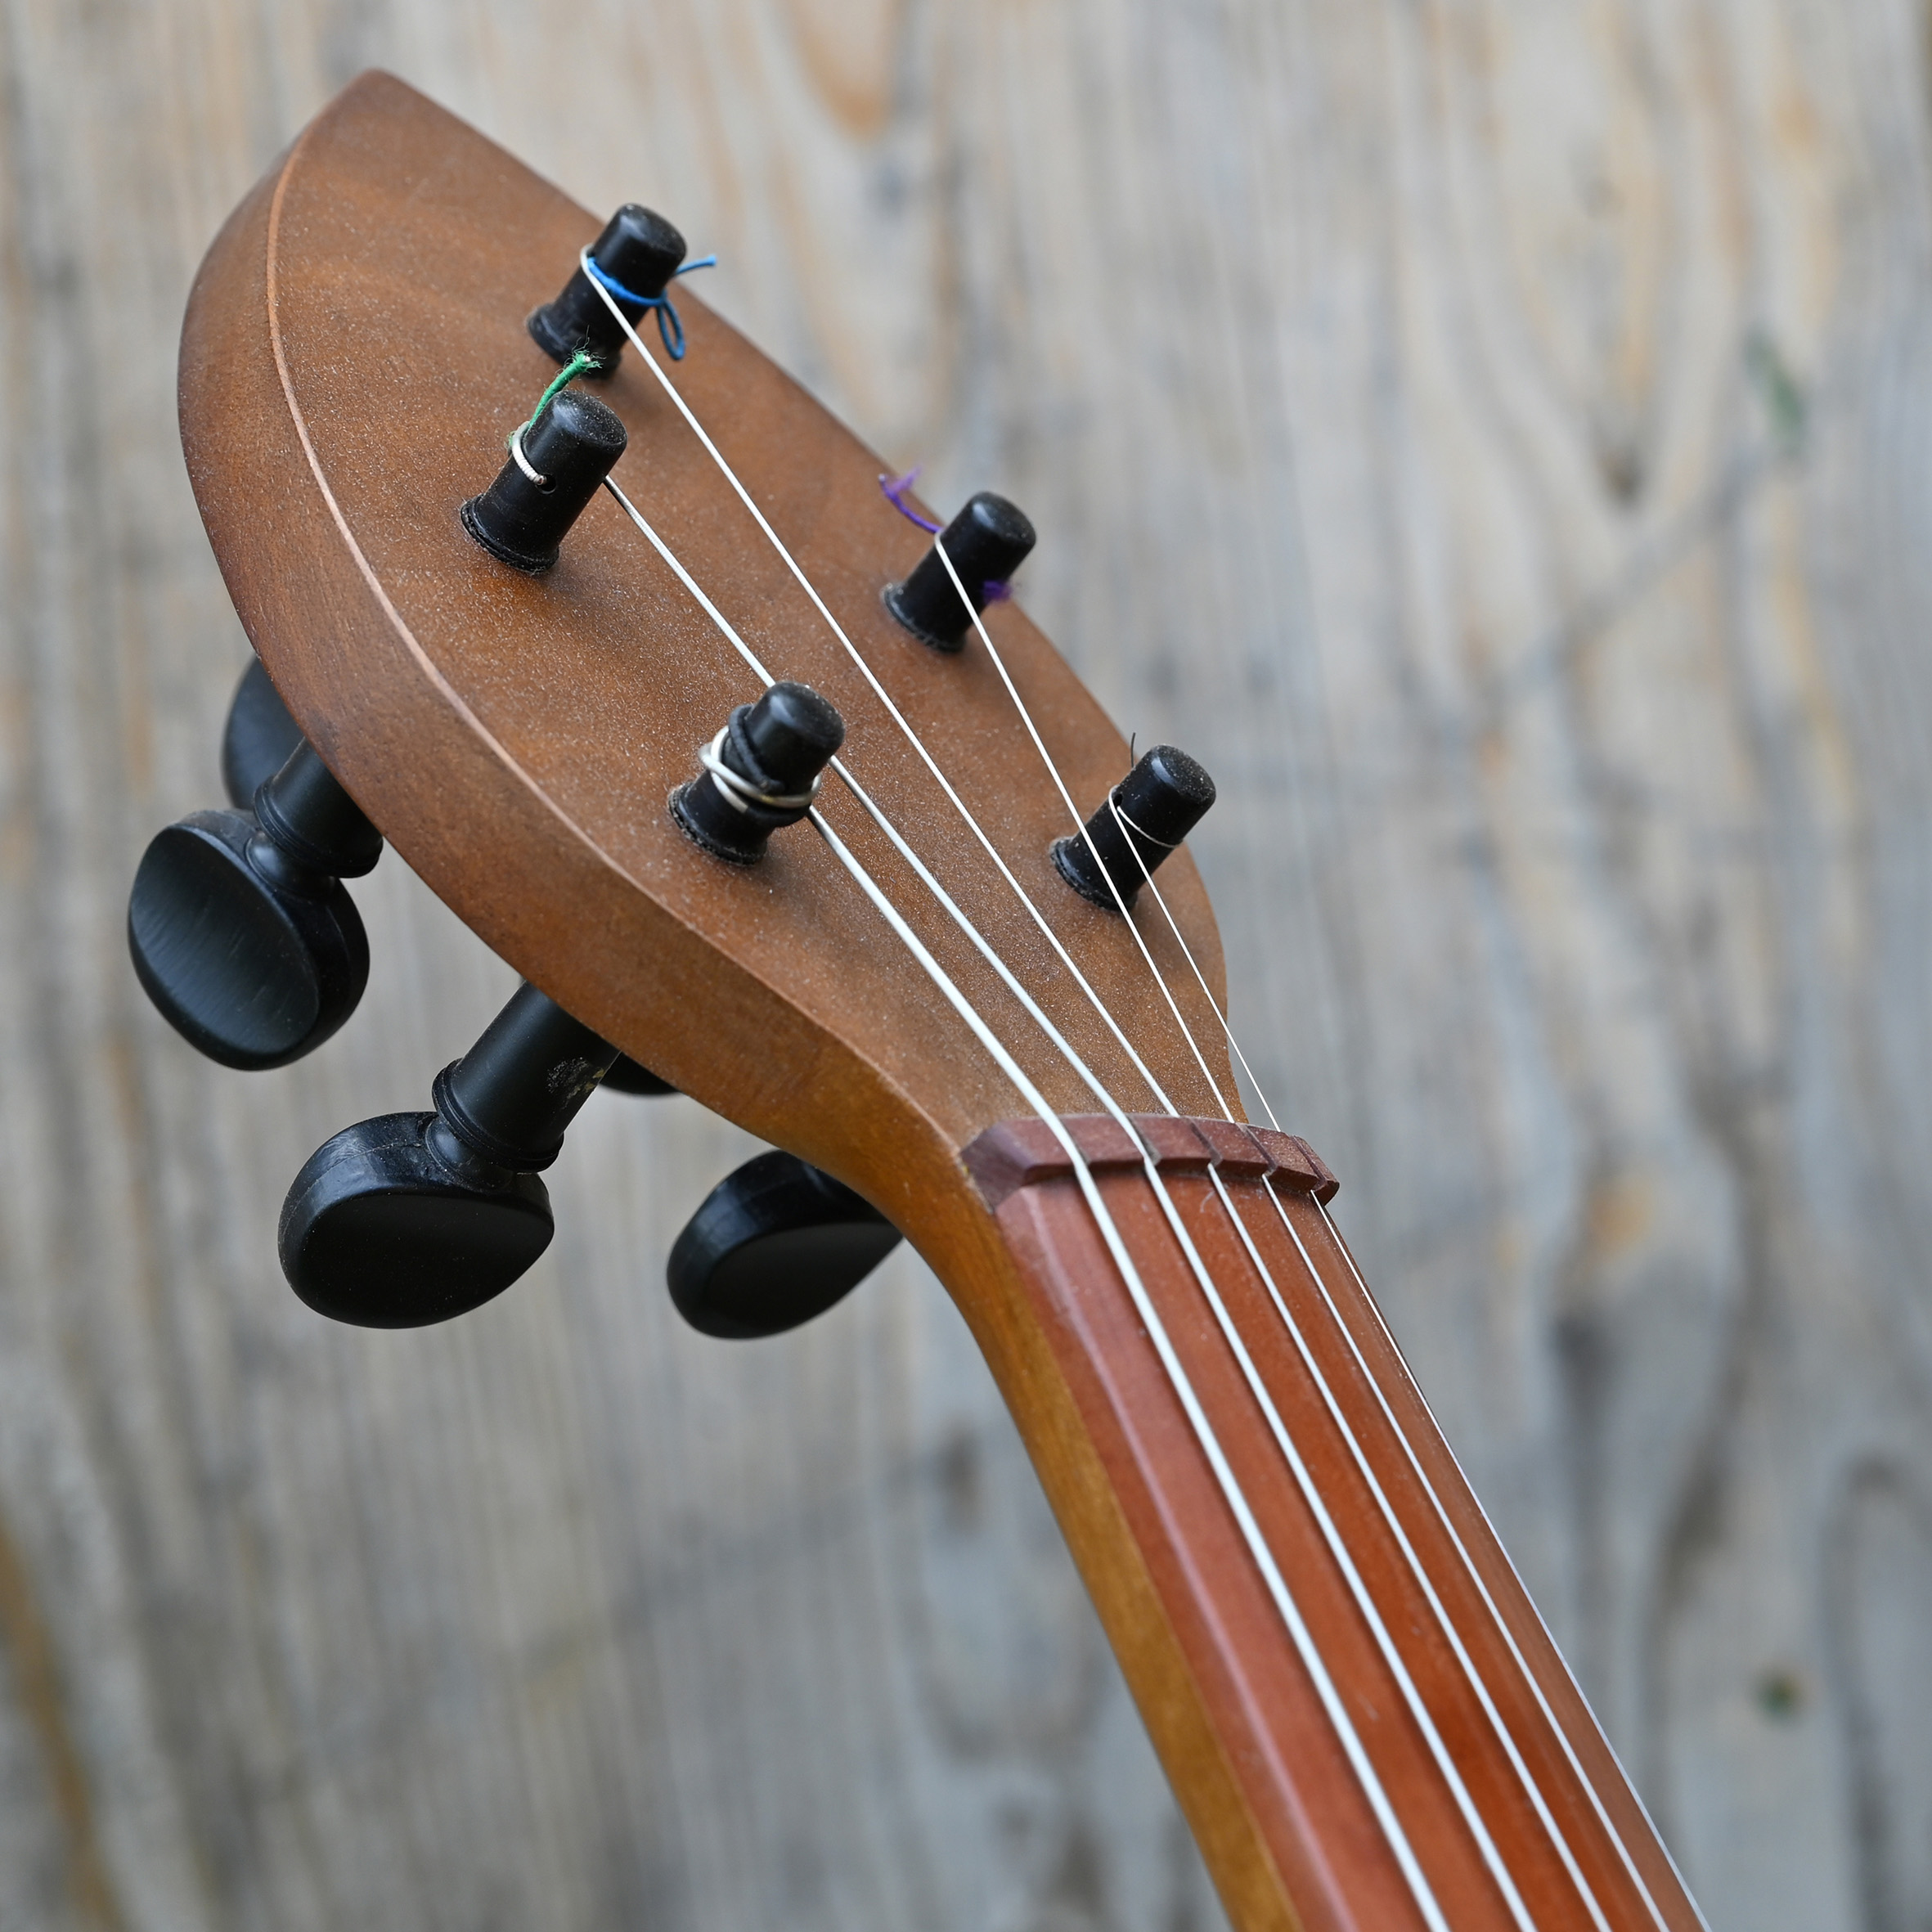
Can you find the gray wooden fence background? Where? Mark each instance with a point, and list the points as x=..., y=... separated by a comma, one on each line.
x=1497, y=439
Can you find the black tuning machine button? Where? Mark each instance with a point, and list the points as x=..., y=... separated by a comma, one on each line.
x=1149, y=813
x=640, y=251
x=558, y=461
x=240, y=928
x=760, y=773
x=987, y=542
x=776, y=1243
x=415, y=1218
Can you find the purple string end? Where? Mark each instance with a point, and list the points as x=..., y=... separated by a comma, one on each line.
x=894, y=489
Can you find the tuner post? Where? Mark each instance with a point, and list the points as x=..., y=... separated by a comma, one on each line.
x=639, y=250
x=558, y=461
x=986, y=541
x=761, y=773
x=1149, y=813
x=257, y=738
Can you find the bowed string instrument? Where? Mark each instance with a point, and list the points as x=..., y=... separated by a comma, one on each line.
x=770, y=799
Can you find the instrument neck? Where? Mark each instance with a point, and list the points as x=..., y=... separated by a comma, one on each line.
x=1379, y=1731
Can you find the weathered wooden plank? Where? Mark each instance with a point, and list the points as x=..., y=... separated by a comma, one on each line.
x=1494, y=438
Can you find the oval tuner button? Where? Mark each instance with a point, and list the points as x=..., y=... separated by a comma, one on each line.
x=776, y=1243
x=239, y=929
x=415, y=1218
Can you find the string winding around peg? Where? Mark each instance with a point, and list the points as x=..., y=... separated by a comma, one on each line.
x=894, y=489
x=670, y=330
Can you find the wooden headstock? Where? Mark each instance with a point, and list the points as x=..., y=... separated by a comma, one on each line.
x=354, y=356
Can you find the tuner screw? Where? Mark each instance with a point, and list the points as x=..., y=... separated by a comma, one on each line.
x=1159, y=803
x=988, y=541
x=776, y=1243
x=558, y=461
x=415, y=1218
x=641, y=251
x=240, y=932
x=761, y=772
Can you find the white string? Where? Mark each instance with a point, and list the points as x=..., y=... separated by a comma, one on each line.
x=1052, y=1033
x=1415, y=1563
x=1285, y=1604
x=1401, y=1436
x=1289, y=1610
x=1188, y=953
x=843, y=771
x=885, y=698
x=739, y=791
x=522, y=462
x=1491, y=1857
x=1588, y=1784
x=1073, y=811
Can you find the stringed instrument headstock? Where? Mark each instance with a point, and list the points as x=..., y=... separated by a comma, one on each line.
x=1360, y=1711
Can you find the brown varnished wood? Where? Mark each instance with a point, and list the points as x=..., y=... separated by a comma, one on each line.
x=1309, y=1808
x=353, y=358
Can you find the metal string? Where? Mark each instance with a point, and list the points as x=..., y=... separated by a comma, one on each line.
x=898, y=717
x=1492, y=1856
x=1401, y=1436
x=1486, y=1844
x=1264, y=1558
x=1197, y=1267
x=1475, y=1575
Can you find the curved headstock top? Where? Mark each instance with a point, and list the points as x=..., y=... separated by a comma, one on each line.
x=354, y=358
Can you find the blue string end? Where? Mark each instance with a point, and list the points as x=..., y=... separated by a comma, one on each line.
x=670, y=330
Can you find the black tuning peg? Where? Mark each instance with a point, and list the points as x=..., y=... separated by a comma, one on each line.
x=1143, y=819
x=415, y=1218
x=638, y=253
x=761, y=773
x=240, y=928
x=257, y=740
x=776, y=1243
x=986, y=543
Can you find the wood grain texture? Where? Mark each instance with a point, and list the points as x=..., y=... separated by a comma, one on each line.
x=1494, y=438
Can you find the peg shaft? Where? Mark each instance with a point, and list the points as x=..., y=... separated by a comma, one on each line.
x=523, y=518
x=987, y=542
x=641, y=251
x=1146, y=815
x=771, y=753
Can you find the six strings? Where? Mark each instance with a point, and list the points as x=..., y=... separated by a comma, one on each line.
x=1291, y=1616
